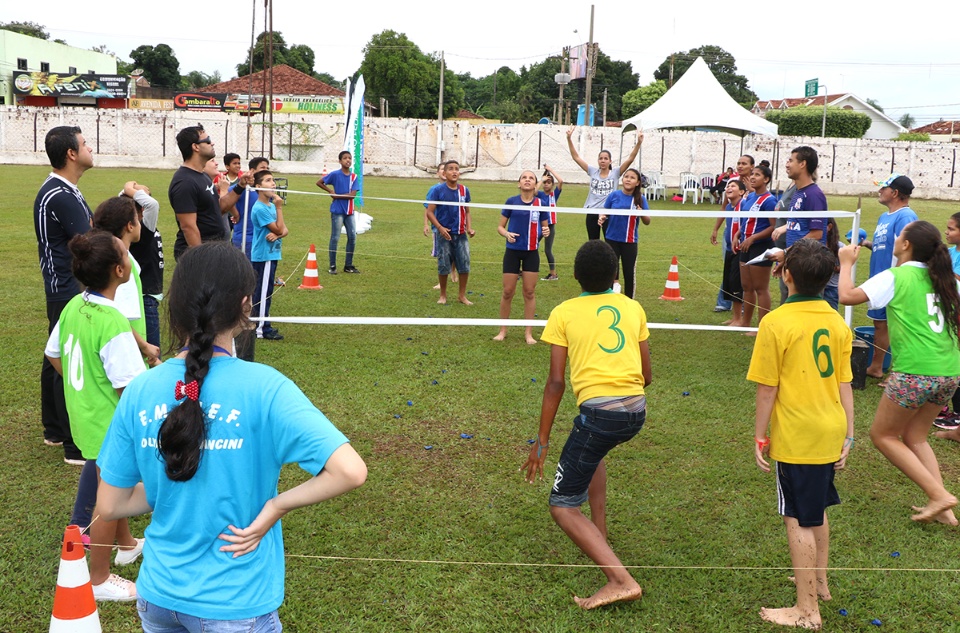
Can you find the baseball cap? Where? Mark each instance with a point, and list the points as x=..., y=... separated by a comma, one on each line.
x=898, y=183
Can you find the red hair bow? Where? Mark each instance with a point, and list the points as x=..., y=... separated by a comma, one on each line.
x=187, y=390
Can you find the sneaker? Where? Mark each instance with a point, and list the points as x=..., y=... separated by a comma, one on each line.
x=616, y=287
x=52, y=442
x=720, y=308
x=332, y=270
x=279, y=282
x=351, y=269
x=127, y=556
x=115, y=589
x=85, y=539
x=74, y=461
x=550, y=277
x=273, y=335
x=947, y=422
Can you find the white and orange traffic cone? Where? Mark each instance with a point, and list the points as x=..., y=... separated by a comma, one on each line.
x=311, y=277
x=671, y=291
x=74, y=609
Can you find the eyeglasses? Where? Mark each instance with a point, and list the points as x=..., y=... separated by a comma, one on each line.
x=205, y=140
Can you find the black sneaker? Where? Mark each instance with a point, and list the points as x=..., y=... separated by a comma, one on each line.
x=947, y=422
x=332, y=270
x=273, y=335
x=351, y=269
x=550, y=277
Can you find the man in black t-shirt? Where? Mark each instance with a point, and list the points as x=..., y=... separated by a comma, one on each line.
x=60, y=213
x=194, y=197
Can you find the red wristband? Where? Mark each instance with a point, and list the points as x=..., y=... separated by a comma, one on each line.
x=762, y=444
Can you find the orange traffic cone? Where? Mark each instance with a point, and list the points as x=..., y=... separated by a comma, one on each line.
x=311, y=278
x=672, y=290
x=74, y=609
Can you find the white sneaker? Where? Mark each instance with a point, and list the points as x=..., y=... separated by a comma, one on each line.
x=115, y=589
x=74, y=462
x=127, y=556
x=616, y=287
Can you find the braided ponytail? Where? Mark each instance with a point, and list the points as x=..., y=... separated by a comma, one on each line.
x=207, y=294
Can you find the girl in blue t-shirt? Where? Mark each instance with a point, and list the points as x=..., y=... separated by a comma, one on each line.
x=552, y=188
x=751, y=238
x=209, y=456
x=523, y=230
x=621, y=230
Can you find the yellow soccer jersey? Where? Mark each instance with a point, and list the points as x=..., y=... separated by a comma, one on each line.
x=803, y=348
x=602, y=333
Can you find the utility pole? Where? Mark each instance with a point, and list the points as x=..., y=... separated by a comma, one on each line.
x=670, y=84
x=440, y=114
x=590, y=62
x=270, y=154
x=604, y=107
x=563, y=69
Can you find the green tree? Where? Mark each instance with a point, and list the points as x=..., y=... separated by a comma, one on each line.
x=913, y=136
x=259, y=54
x=618, y=78
x=874, y=103
x=394, y=68
x=636, y=101
x=196, y=79
x=159, y=64
x=808, y=121
x=27, y=28
x=907, y=121
x=721, y=63
x=328, y=79
x=301, y=57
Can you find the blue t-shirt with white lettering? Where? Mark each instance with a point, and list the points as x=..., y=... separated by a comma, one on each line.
x=955, y=259
x=341, y=183
x=810, y=198
x=251, y=433
x=264, y=213
x=889, y=226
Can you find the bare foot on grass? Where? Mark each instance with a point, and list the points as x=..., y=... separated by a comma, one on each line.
x=791, y=616
x=946, y=517
x=442, y=300
x=437, y=287
x=932, y=510
x=953, y=434
x=609, y=594
x=502, y=335
x=751, y=334
x=878, y=376
x=531, y=340
x=464, y=301
x=823, y=591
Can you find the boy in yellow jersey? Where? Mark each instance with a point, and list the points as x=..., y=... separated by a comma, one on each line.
x=801, y=364
x=605, y=336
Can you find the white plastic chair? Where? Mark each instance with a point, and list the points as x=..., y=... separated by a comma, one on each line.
x=707, y=181
x=689, y=185
x=654, y=186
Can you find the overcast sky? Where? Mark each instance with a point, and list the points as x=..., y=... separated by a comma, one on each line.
x=907, y=59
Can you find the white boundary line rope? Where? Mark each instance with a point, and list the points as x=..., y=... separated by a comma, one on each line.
x=663, y=213
x=341, y=320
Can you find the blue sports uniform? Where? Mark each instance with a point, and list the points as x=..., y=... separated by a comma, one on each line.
x=526, y=224
x=810, y=198
x=342, y=184
x=622, y=228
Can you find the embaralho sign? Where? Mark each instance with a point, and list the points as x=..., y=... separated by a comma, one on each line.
x=47, y=84
x=204, y=101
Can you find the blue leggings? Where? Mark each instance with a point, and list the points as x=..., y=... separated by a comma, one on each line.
x=86, y=495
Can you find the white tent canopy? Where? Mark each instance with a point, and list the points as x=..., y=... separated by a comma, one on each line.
x=698, y=100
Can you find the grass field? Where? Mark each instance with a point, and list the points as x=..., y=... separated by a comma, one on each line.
x=686, y=502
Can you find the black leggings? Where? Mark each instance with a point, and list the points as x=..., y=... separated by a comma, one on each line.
x=627, y=256
x=548, y=248
x=732, y=288
x=593, y=229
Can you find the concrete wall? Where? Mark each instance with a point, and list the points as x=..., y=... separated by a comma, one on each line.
x=306, y=144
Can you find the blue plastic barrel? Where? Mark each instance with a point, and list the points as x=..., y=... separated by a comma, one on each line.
x=865, y=333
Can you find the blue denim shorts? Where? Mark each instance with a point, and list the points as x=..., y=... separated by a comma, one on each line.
x=456, y=248
x=156, y=619
x=595, y=433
